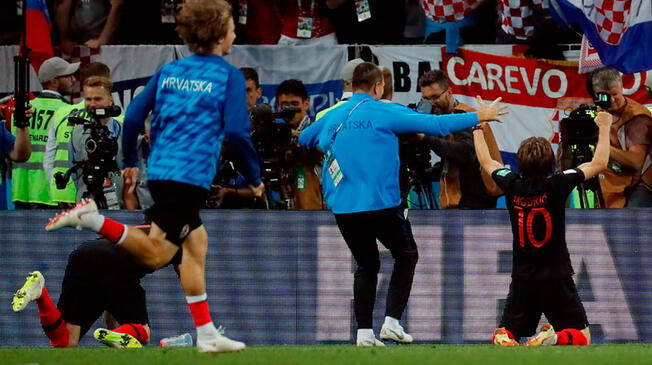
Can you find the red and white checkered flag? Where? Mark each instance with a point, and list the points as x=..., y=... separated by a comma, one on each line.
x=445, y=11
x=517, y=16
x=611, y=19
x=84, y=55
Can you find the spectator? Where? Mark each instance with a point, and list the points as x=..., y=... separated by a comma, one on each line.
x=628, y=179
x=306, y=22
x=414, y=22
x=648, y=87
x=257, y=21
x=30, y=189
x=254, y=92
x=382, y=22
x=462, y=184
x=307, y=187
x=88, y=23
x=459, y=21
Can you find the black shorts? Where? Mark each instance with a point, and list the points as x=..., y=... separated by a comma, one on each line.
x=176, y=208
x=98, y=279
x=557, y=299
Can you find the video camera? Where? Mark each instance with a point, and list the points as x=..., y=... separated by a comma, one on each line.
x=579, y=128
x=272, y=140
x=267, y=131
x=101, y=149
x=416, y=171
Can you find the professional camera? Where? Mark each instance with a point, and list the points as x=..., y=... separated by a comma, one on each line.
x=272, y=140
x=579, y=128
x=579, y=135
x=416, y=172
x=101, y=149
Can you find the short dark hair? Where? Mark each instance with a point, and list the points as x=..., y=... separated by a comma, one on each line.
x=535, y=158
x=95, y=69
x=365, y=76
x=434, y=77
x=292, y=87
x=250, y=74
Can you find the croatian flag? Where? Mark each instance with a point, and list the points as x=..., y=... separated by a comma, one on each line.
x=38, y=32
x=620, y=30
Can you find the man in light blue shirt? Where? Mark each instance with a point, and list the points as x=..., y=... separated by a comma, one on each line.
x=360, y=182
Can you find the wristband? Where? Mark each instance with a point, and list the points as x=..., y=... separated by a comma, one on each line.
x=476, y=127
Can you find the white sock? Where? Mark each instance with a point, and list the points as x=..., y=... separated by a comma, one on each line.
x=124, y=235
x=207, y=329
x=196, y=298
x=365, y=333
x=391, y=321
x=93, y=221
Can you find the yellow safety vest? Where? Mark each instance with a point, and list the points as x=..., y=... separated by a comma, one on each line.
x=29, y=183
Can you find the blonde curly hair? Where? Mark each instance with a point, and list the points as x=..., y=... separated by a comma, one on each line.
x=201, y=24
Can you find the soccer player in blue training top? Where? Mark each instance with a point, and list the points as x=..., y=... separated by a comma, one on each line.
x=196, y=102
x=542, y=274
x=360, y=179
x=88, y=290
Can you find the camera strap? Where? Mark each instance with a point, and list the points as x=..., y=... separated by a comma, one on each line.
x=331, y=162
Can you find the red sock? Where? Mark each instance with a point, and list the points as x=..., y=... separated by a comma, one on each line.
x=200, y=313
x=571, y=336
x=509, y=334
x=136, y=330
x=51, y=320
x=112, y=230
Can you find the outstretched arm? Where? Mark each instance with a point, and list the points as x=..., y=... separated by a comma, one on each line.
x=482, y=151
x=601, y=156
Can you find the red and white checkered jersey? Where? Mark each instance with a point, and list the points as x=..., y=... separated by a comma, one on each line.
x=517, y=16
x=444, y=11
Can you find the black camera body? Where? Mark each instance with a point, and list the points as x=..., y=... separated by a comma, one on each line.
x=101, y=149
x=579, y=128
x=273, y=143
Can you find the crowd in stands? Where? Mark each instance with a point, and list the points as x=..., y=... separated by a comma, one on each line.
x=452, y=22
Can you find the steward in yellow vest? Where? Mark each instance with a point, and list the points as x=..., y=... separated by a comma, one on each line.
x=30, y=188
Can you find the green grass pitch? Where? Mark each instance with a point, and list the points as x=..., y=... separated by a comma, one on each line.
x=338, y=354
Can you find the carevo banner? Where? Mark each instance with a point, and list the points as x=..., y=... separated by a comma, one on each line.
x=524, y=81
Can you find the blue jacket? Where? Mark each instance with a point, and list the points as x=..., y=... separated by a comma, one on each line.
x=366, y=149
x=195, y=102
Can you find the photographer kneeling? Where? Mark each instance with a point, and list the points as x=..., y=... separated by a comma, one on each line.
x=95, y=146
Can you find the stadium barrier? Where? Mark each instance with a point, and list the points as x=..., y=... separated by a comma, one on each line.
x=286, y=277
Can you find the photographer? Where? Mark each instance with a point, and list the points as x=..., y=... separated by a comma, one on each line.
x=462, y=183
x=56, y=156
x=628, y=180
x=306, y=187
x=254, y=92
x=97, y=94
